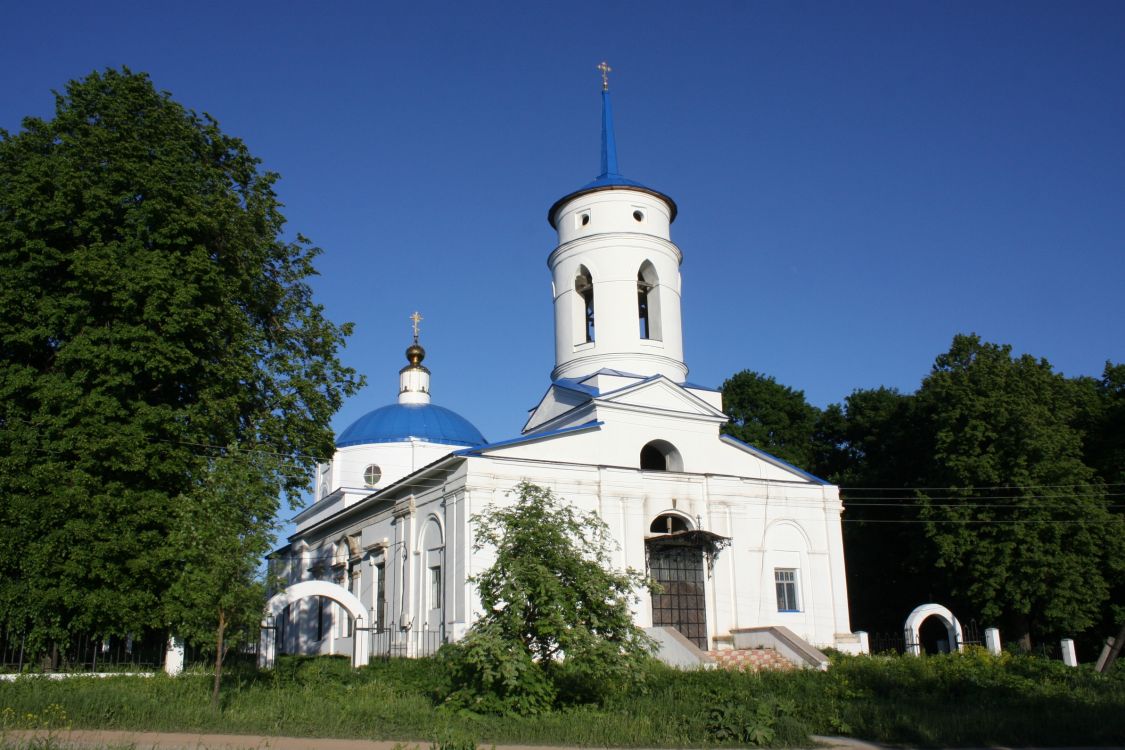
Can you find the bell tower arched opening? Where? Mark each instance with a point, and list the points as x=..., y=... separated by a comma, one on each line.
x=648, y=302
x=584, y=288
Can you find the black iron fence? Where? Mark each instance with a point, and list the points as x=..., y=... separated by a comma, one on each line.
x=389, y=644
x=82, y=653
x=972, y=634
x=884, y=643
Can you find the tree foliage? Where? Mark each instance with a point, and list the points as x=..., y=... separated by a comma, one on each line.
x=770, y=416
x=150, y=310
x=221, y=531
x=985, y=489
x=1023, y=528
x=556, y=617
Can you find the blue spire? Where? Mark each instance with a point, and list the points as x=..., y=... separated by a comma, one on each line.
x=610, y=177
x=609, y=142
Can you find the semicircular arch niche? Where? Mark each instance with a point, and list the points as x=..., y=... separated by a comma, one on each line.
x=670, y=523
x=660, y=455
x=787, y=582
x=433, y=578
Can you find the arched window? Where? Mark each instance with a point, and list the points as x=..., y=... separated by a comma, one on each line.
x=648, y=301
x=660, y=455
x=433, y=581
x=668, y=523
x=584, y=286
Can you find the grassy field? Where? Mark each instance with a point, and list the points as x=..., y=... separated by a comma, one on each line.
x=955, y=700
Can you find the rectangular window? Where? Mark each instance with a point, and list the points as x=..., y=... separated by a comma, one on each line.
x=785, y=579
x=323, y=623
x=380, y=595
x=435, y=587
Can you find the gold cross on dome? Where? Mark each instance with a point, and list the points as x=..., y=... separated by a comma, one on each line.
x=605, y=69
x=416, y=318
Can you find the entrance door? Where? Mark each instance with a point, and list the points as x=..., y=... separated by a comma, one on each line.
x=683, y=604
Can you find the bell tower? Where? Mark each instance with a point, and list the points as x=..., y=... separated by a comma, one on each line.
x=615, y=273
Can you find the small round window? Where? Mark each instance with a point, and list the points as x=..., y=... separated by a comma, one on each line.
x=371, y=475
x=639, y=215
x=585, y=219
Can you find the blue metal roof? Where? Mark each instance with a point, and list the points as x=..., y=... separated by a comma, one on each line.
x=400, y=422
x=772, y=458
x=609, y=178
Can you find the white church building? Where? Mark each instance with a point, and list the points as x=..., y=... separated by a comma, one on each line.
x=619, y=431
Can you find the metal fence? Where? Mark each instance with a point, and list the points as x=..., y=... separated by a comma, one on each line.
x=389, y=644
x=82, y=653
x=881, y=643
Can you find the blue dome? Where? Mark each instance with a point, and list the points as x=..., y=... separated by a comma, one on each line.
x=401, y=422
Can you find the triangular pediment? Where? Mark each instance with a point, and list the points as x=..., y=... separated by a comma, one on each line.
x=660, y=394
x=556, y=401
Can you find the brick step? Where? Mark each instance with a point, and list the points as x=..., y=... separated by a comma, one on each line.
x=750, y=659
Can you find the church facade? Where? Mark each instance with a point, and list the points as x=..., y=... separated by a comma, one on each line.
x=736, y=537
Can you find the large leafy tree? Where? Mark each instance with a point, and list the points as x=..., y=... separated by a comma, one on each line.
x=983, y=490
x=150, y=310
x=1101, y=407
x=880, y=453
x=770, y=416
x=1023, y=527
x=556, y=620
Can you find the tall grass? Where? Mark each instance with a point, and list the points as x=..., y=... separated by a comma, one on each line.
x=970, y=699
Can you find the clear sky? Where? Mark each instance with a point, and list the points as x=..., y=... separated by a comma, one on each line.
x=857, y=182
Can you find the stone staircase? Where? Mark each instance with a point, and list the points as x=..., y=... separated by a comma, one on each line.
x=750, y=659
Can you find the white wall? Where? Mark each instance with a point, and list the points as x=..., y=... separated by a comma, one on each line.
x=613, y=246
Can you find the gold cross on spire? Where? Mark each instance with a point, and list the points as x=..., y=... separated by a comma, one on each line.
x=604, y=68
x=416, y=318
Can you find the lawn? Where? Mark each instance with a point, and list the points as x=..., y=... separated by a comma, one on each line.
x=953, y=700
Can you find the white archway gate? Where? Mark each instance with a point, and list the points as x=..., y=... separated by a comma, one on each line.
x=267, y=643
x=919, y=615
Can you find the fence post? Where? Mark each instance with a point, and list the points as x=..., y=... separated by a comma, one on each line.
x=1068, y=656
x=174, y=656
x=992, y=641
x=1106, y=649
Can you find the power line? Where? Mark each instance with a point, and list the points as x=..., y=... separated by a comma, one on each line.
x=997, y=487
x=1003, y=506
x=980, y=522
x=854, y=499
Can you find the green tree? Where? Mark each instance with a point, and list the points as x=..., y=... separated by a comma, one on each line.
x=1023, y=529
x=881, y=453
x=149, y=310
x=556, y=619
x=1101, y=407
x=221, y=532
x=770, y=416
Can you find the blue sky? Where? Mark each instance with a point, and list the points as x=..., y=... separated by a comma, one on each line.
x=857, y=182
